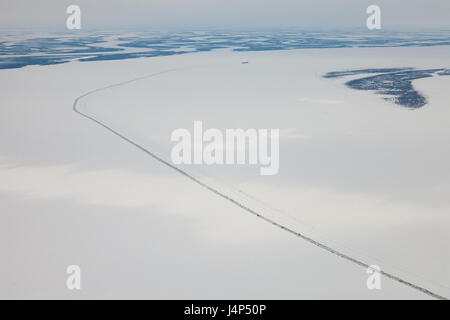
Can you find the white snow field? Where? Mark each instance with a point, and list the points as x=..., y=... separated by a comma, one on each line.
x=359, y=174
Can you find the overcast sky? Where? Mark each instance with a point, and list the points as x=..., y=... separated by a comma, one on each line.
x=327, y=14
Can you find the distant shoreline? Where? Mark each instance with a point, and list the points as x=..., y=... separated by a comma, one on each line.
x=21, y=51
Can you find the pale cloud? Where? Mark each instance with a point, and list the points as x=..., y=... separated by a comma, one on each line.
x=163, y=194
x=174, y=194
x=293, y=134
